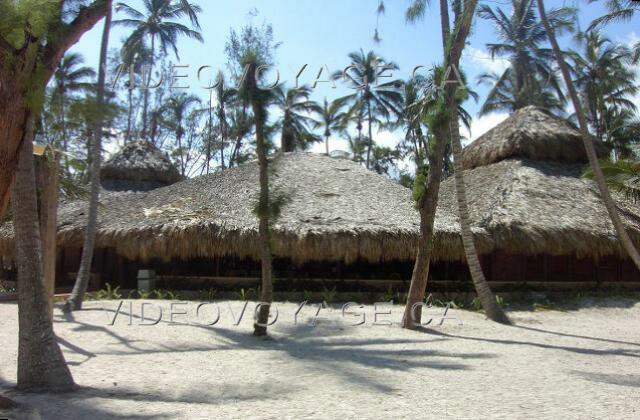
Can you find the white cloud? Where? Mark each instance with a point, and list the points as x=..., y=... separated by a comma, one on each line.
x=482, y=59
x=481, y=125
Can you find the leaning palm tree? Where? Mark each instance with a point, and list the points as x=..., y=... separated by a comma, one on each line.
x=529, y=79
x=372, y=98
x=84, y=271
x=69, y=78
x=598, y=176
x=441, y=111
x=173, y=115
x=297, y=122
x=157, y=23
x=331, y=117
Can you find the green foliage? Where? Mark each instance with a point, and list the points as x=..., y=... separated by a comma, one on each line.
x=108, y=293
x=622, y=176
x=329, y=295
x=19, y=17
x=277, y=200
x=420, y=186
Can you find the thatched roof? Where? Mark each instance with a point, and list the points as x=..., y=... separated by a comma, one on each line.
x=138, y=166
x=533, y=207
x=529, y=133
x=335, y=210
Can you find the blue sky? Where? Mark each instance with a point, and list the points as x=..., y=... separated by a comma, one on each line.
x=323, y=32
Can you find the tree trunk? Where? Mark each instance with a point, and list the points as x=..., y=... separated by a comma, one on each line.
x=370, y=142
x=260, y=325
x=127, y=135
x=41, y=365
x=84, y=272
x=145, y=106
x=326, y=143
x=486, y=296
x=598, y=176
x=48, y=182
x=427, y=207
x=428, y=204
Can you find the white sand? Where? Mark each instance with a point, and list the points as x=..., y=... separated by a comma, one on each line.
x=576, y=364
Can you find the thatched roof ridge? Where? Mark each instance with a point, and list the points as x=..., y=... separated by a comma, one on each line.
x=139, y=165
x=529, y=133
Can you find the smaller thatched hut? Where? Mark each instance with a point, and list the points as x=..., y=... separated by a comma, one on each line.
x=536, y=220
x=138, y=166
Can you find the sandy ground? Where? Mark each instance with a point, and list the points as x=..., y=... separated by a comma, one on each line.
x=575, y=364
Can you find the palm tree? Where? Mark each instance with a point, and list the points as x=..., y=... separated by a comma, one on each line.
x=619, y=11
x=331, y=117
x=225, y=98
x=41, y=364
x=598, y=176
x=296, y=109
x=442, y=116
x=174, y=114
x=373, y=99
x=84, y=272
x=529, y=79
x=254, y=47
x=157, y=22
x=605, y=80
x=69, y=78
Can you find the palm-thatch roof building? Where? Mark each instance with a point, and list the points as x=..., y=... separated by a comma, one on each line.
x=536, y=221
x=534, y=217
x=138, y=166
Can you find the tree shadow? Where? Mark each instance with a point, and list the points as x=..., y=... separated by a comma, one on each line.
x=579, y=350
x=612, y=379
x=583, y=337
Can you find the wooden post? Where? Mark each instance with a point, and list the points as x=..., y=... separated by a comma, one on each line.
x=47, y=180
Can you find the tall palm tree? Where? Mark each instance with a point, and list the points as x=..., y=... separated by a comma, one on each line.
x=331, y=118
x=442, y=112
x=605, y=80
x=69, y=78
x=174, y=113
x=297, y=122
x=225, y=98
x=252, y=48
x=157, y=23
x=529, y=79
x=373, y=99
x=598, y=176
x=84, y=271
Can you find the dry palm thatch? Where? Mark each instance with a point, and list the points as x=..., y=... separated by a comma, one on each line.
x=333, y=209
x=537, y=207
x=138, y=166
x=529, y=133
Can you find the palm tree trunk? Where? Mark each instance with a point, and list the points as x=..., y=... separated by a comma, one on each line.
x=427, y=208
x=266, y=297
x=127, y=135
x=41, y=365
x=63, y=127
x=370, y=143
x=84, y=272
x=486, y=296
x=326, y=143
x=598, y=176
x=428, y=204
x=145, y=106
